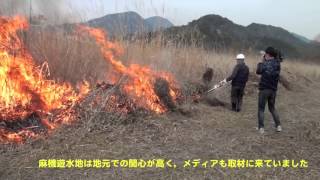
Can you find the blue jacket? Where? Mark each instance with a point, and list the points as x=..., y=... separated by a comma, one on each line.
x=270, y=74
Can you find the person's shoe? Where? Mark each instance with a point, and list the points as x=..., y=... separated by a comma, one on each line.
x=261, y=130
x=279, y=128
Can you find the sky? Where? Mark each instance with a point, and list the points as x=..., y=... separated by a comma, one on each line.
x=296, y=16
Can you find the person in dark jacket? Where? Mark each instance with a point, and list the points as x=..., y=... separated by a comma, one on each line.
x=239, y=78
x=269, y=70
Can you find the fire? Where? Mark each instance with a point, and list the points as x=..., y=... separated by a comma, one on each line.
x=24, y=89
x=140, y=86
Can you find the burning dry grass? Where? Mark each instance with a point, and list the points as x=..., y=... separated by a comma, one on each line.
x=206, y=131
x=73, y=60
x=26, y=90
x=148, y=71
x=70, y=59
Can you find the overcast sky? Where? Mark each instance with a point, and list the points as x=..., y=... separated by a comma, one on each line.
x=297, y=16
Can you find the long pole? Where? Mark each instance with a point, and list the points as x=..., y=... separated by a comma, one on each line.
x=217, y=86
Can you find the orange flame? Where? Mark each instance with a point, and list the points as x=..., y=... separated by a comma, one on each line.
x=24, y=90
x=141, y=78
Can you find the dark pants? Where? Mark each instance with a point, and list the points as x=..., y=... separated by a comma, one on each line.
x=236, y=97
x=269, y=96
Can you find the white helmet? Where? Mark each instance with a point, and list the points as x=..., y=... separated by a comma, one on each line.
x=240, y=56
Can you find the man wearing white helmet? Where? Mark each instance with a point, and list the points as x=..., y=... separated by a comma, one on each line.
x=239, y=78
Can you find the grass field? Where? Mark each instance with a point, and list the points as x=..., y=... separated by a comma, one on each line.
x=204, y=132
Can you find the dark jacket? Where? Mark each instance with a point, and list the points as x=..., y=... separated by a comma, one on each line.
x=240, y=75
x=270, y=74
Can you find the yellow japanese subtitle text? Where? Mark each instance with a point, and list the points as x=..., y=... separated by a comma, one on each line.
x=169, y=163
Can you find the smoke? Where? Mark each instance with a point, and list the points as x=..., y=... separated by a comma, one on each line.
x=10, y=7
x=54, y=11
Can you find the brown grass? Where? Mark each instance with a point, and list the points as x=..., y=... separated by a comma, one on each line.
x=73, y=59
x=207, y=132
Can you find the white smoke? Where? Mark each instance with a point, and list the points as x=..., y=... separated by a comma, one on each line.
x=54, y=11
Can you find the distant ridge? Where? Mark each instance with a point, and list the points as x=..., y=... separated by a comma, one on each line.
x=130, y=23
x=219, y=33
x=212, y=32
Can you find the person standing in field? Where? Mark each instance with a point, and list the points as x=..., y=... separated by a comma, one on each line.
x=239, y=78
x=269, y=70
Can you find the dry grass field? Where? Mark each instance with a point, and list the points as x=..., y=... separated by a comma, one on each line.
x=202, y=132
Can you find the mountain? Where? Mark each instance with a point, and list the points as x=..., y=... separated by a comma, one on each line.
x=211, y=32
x=129, y=23
x=302, y=38
x=219, y=33
x=120, y=23
x=276, y=36
x=157, y=23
